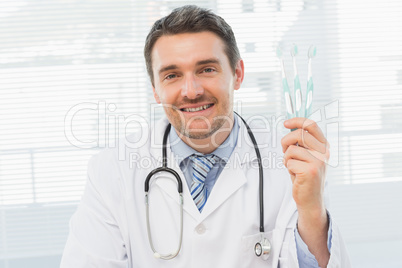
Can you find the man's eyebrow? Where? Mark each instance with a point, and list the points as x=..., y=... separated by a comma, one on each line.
x=208, y=61
x=167, y=68
x=202, y=62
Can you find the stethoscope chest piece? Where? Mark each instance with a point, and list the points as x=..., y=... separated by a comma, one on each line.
x=263, y=248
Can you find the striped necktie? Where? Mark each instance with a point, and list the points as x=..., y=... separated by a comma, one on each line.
x=201, y=166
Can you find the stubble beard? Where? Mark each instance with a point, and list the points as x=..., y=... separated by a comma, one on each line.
x=204, y=134
x=183, y=126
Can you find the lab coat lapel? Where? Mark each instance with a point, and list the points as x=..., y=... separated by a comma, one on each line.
x=169, y=186
x=233, y=176
x=231, y=179
x=156, y=140
x=165, y=181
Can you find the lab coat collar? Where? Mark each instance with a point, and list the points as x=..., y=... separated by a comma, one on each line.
x=156, y=140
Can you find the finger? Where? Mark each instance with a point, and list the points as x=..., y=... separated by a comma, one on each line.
x=304, y=139
x=305, y=155
x=308, y=125
x=297, y=167
x=319, y=156
x=292, y=175
x=297, y=153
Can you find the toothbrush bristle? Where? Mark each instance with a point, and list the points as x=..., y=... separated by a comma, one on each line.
x=312, y=51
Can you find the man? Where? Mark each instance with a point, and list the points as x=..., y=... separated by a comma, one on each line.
x=195, y=66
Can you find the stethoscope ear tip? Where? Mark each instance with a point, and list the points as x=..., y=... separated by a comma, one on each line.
x=157, y=255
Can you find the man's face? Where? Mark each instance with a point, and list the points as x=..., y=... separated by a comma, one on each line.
x=195, y=83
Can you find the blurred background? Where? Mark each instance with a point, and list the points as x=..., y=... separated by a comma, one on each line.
x=73, y=80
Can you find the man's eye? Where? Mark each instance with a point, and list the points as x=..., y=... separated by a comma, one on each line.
x=208, y=70
x=170, y=76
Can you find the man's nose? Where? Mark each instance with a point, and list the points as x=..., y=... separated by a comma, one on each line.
x=191, y=88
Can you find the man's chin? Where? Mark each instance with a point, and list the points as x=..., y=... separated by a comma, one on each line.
x=197, y=134
x=198, y=129
x=202, y=130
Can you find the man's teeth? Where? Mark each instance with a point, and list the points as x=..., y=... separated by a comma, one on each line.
x=197, y=108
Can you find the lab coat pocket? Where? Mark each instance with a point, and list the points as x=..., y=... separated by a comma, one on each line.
x=248, y=256
x=287, y=254
x=283, y=255
x=283, y=263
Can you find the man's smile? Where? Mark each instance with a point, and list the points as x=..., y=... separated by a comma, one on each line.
x=197, y=109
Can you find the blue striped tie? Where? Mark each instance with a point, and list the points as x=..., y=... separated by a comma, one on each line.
x=201, y=166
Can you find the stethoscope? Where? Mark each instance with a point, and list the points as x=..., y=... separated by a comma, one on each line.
x=261, y=248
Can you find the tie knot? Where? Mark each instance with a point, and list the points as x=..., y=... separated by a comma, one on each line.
x=205, y=162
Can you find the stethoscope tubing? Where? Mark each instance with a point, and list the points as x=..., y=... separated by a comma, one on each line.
x=261, y=174
x=164, y=168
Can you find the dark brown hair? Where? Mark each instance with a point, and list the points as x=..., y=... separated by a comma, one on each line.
x=191, y=19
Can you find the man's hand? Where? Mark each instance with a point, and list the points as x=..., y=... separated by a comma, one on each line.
x=306, y=154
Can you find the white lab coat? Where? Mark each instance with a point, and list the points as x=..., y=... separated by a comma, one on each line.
x=109, y=227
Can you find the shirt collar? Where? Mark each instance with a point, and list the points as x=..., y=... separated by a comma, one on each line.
x=181, y=150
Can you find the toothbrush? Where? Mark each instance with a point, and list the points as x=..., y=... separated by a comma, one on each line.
x=310, y=86
x=286, y=91
x=297, y=87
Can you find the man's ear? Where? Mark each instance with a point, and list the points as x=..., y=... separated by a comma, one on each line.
x=239, y=74
x=156, y=96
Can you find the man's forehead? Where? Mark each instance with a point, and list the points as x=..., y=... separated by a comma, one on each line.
x=187, y=47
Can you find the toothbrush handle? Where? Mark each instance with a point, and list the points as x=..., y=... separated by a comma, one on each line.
x=288, y=99
x=309, y=98
x=298, y=96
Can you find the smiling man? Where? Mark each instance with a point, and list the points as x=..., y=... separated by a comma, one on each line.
x=195, y=67
x=195, y=83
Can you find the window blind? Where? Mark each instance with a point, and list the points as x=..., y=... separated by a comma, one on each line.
x=73, y=80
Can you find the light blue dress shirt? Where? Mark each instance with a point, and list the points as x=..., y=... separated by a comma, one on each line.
x=182, y=152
